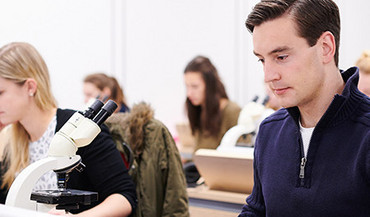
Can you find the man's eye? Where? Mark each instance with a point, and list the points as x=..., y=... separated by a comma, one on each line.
x=261, y=60
x=282, y=57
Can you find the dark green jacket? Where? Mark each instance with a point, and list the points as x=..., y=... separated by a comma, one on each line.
x=157, y=168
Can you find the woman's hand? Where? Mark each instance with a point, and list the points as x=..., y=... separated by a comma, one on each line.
x=60, y=212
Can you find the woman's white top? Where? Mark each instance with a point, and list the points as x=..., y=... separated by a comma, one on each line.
x=39, y=150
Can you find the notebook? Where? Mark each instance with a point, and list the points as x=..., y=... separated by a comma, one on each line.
x=226, y=171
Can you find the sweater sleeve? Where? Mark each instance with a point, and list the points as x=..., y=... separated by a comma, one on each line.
x=255, y=206
x=368, y=158
x=105, y=170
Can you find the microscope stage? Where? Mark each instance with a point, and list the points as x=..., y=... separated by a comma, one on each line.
x=67, y=196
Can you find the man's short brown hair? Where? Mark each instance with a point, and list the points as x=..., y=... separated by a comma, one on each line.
x=313, y=17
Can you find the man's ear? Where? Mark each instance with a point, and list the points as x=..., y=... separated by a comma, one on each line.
x=327, y=41
x=31, y=86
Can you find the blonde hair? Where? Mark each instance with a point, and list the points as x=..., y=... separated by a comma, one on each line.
x=363, y=63
x=18, y=62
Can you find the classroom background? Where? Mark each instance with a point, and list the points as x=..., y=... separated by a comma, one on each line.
x=146, y=44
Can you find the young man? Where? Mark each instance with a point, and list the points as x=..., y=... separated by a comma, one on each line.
x=312, y=158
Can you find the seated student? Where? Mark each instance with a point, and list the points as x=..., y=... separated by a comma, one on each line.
x=100, y=85
x=209, y=109
x=30, y=114
x=363, y=63
x=311, y=157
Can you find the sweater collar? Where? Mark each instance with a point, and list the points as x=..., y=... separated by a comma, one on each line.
x=342, y=106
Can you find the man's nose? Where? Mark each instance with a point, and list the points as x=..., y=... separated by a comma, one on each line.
x=271, y=72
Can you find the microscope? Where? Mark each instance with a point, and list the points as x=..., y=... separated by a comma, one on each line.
x=79, y=131
x=249, y=120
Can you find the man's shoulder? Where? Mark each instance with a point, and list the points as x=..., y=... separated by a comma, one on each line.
x=363, y=112
x=279, y=115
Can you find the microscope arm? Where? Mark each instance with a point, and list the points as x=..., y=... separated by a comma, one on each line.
x=21, y=189
x=231, y=136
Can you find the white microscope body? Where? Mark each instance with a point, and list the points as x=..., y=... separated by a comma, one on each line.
x=249, y=119
x=78, y=131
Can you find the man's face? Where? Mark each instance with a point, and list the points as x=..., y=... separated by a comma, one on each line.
x=293, y=69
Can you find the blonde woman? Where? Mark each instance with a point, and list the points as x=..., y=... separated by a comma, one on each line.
x=30, y=114
x=363, y=63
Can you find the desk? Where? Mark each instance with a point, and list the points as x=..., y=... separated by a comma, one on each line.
x=203, y=201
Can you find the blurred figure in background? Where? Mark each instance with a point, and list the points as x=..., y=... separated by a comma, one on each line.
x=104, y=87
x=363, y=63
x=209, y=109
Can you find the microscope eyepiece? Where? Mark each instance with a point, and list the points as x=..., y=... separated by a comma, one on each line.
x=93, y=109
x=105, y=112
x=255, y=99
x=265, y=100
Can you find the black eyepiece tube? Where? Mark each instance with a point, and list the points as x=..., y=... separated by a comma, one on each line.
x=105, y=112
x=255, y=99
x=265, y=100
x=93, y=109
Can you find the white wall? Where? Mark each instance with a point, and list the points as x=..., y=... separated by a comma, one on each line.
x=147, y=43
x=163, y=35
x=73, y=36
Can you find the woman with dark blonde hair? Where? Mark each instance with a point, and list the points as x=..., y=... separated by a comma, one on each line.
x=100, y=85
x=209, y=109
x=363, y=63
x=29, y=118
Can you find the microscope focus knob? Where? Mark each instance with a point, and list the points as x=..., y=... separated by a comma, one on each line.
x=80, y=167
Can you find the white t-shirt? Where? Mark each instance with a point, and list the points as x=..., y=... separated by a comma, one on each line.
x=306, y=137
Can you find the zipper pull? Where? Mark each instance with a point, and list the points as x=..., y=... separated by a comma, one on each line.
x=303, y=164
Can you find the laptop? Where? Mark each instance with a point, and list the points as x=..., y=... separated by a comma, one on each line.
x=226, y=171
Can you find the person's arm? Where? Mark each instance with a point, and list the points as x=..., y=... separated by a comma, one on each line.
x=255, y=206
x=115, y=205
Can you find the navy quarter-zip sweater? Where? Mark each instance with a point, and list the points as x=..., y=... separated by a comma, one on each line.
x=334, y=180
